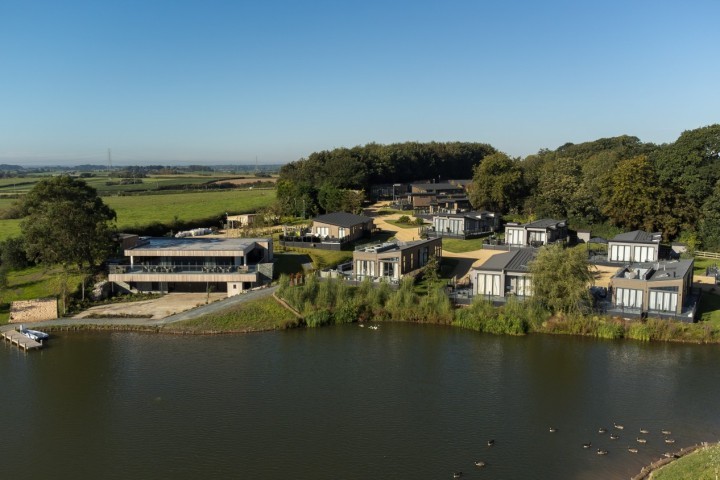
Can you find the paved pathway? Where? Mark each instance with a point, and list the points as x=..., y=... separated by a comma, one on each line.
x=149, y=322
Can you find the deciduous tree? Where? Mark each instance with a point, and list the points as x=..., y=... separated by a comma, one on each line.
x=561, y=278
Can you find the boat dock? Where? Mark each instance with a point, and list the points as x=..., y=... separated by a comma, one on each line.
x=23, y=342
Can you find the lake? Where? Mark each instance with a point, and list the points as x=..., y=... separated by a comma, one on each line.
x=403, y=401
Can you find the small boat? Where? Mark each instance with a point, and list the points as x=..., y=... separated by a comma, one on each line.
x=641, y=440
x=480, y=464
x=619, y=427
x=632, y=450
x=669, y=440
x=614, y=437
x=602, y=452
x=33, y=334
x=491, y=443
x=666, y=432
x=587, y=445
x=602, y=430
x=553, y=429
x=644, y=431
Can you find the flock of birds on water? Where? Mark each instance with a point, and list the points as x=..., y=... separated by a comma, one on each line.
x=600, y=451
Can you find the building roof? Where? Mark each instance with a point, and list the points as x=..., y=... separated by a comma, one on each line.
x=436, y=186
x=637, y=236
x=394, y=246
x=545, y=223
x=474, y=215
x=196, y=244
x=513, y=261
x=655, y=271
x=342, y=219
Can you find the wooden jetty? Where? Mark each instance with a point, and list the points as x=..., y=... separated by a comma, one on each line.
x=23, y=342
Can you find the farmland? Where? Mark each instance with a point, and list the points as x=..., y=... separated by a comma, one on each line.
x=169, y=209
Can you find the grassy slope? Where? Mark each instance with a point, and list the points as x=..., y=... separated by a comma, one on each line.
x=32, y=283
x=255, y=315
x=703, y=464
x=709, y=309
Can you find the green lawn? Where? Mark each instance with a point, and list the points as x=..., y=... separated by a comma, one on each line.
x=703, y=464
x=458, y=245
x=34, y=282
x=709, y=308
x=702, y=263
x=289, y=262
x=403, y=224
x=255, y=315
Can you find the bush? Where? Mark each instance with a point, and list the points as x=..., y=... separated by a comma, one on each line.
x=318, y=318
x=404, y=219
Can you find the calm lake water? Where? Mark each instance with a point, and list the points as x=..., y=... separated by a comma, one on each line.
x=403, y=401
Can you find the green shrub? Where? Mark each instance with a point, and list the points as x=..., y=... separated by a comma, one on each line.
x=318, y=318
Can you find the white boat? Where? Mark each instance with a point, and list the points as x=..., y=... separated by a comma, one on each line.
x=33, y=334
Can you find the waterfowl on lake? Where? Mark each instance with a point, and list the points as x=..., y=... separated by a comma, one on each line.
x=619, y=427
x=480, y=464
x=491, y=443
x=669, y=440
x=632, y=450
x=641, y=440
x=553, y=429
x=602, y=430
x=587, y=445
x=602, y=452
x=614, y=437
x=457, y=474
x=668, y=455
x=642, y=430
x=666, y=432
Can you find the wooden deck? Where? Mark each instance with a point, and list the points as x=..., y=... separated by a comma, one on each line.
x=23, y=342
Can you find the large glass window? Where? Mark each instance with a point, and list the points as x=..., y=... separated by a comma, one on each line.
x=488, y=284
x=663, y=301
x=628, y=297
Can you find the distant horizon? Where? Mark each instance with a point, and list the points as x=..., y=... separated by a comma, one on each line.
x=120, y=162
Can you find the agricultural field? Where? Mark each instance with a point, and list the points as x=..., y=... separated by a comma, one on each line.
x=137, y=211
x=10, y=187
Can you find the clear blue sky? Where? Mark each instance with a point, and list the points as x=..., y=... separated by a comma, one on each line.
x=211, y=81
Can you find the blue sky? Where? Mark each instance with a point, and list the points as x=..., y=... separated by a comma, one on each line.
x=212, y=81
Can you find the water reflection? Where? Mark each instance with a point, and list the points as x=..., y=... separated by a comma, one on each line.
x=402, y=401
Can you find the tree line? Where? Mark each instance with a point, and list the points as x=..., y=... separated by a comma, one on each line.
x=333, y=180
x=607, y=185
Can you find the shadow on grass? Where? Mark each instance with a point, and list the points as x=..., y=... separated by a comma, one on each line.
x=287, y=263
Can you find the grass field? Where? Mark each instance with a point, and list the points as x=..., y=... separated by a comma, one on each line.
x=709, y=309
x=703, y=464
x=31, y=283
x=255, y=315
x=136, y=211
x=139, y=210
x=702, y=263
x=458, y=245
x=13, y=186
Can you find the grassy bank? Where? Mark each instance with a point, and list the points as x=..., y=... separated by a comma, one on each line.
x=703, y=464
x=333, y=302
x=35, y=282
x=253, y=316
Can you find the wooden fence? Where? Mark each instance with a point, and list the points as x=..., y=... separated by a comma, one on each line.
x=708, y=255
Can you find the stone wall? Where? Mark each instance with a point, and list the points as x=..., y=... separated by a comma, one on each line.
x=27, y=311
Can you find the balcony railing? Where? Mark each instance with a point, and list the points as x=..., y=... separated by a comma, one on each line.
x=181, y=269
